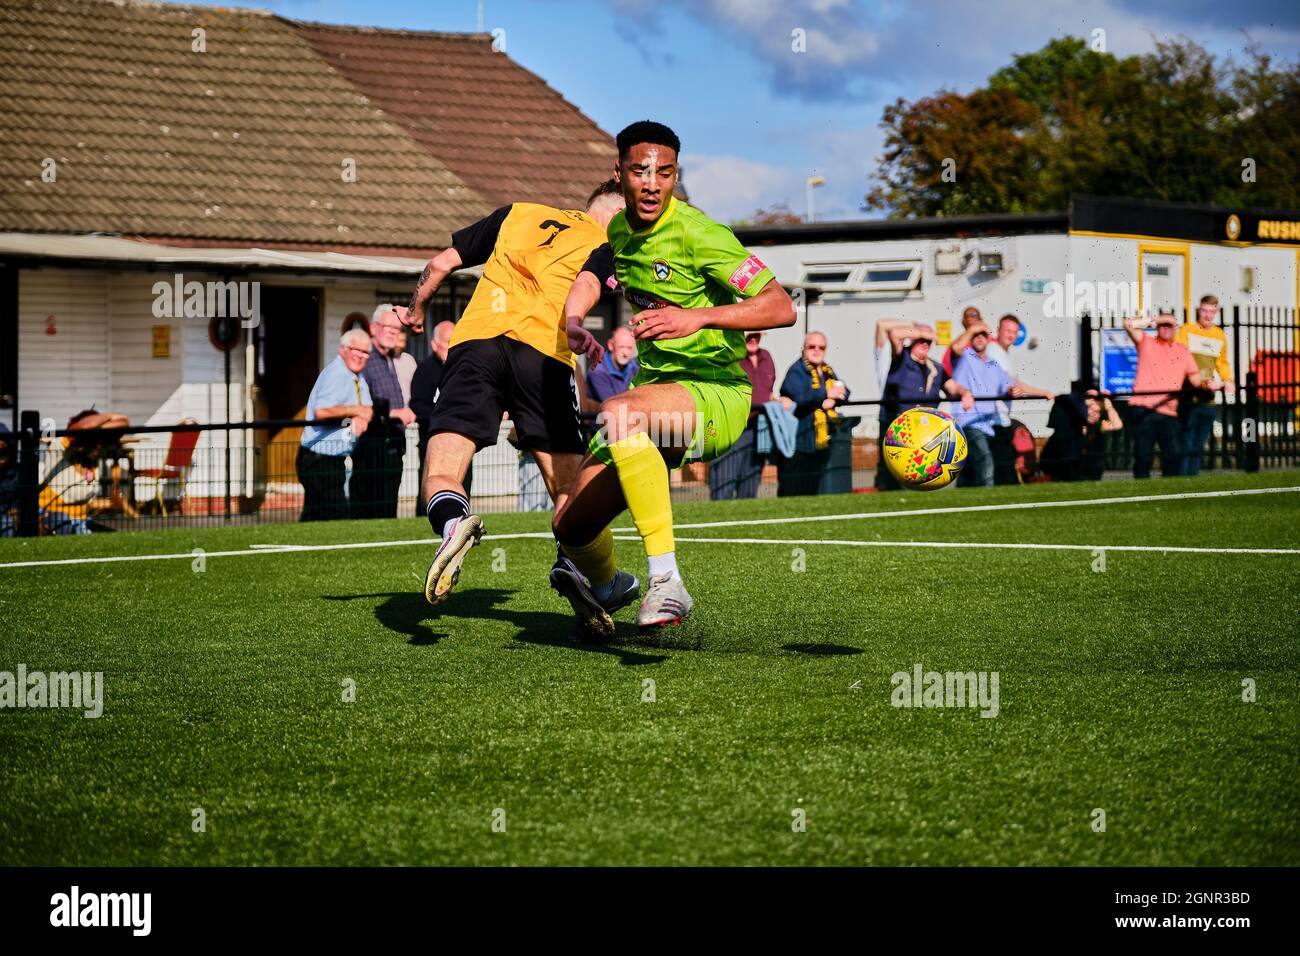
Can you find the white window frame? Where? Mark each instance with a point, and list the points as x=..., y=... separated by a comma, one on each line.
x=857, y=280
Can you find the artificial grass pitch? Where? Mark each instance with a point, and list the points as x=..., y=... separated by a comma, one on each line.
x=481, y=734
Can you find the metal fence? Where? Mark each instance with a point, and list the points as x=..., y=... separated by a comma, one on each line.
x=1256, y=423
x=78, y=481
x=189, y=474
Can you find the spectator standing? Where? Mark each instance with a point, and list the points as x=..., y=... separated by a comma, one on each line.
x=404, y=364
x=613, y=374
x=377, y=459
x=1163, y=366
x=970, y=317
x=340, y=392
x=738, y=472
x=8, y=484
x=425, y=384
x=999, y=349
x=1209, y=348
x=914, y=379
x=976, y=372
x=810, y=383
x=892, y=336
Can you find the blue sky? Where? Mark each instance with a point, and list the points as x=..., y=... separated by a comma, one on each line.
x=757, y=118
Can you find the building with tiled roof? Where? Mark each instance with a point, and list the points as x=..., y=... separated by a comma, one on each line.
x=141, y=142
x=207, y=125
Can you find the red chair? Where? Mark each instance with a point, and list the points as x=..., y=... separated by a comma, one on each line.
x=176, y=466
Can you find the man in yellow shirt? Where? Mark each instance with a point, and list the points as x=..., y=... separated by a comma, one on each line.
x=1209, y=347
x=510, y=352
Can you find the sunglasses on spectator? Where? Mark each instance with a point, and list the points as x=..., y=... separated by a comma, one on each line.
x=353, y=348
x=815, y=348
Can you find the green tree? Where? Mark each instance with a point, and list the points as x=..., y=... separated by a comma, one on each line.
x=1172, y=124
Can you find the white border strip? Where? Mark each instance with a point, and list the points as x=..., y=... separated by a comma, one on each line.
x=1071, y=503
x=1017, y=546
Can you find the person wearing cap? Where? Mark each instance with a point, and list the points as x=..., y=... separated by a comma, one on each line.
x=1163, y=365
x=970, y=317
x=976, y=371
x=914, y=379
x=737, y=473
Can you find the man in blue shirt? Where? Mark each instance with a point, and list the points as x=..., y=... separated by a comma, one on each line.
x=613, y=374
x=914, y=379
x=340, y=392
x=976, y=371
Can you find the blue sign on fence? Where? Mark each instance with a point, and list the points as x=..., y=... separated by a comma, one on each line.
x=1119, y=359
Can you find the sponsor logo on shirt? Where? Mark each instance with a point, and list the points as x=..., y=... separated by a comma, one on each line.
x=643, y=300
x=743, y=276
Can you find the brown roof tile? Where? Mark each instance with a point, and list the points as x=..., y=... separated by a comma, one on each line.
x=499, y=127
x=244, y=142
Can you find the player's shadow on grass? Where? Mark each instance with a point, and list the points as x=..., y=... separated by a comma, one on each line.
x=822, y=650
x=407, y=612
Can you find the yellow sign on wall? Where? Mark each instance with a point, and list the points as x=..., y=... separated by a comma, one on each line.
x=943, y=331
x=162, y=341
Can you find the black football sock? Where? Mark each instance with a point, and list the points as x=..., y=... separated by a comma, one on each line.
x=444, y=508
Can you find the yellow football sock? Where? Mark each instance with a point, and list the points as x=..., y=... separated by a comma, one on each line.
x=595, y=560
x=643, y=476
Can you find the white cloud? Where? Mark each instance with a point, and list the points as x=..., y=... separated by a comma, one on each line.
x=871, y=51
x=730, y=188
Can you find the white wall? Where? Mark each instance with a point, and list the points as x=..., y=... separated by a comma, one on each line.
x=849, y=320
x=1049, y=355
x=60, y=374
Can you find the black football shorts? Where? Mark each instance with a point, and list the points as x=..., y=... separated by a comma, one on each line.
x=485, y=377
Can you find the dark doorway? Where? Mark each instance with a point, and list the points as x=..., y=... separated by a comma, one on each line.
x=288, y=360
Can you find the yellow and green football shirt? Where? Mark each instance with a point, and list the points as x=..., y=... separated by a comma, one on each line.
x=686, y=259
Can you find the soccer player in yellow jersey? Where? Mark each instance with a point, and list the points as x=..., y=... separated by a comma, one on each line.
x=510, y=352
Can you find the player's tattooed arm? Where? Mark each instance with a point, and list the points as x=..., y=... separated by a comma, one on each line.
x=435, y=271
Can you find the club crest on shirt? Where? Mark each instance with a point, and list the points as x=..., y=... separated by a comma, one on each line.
x=662, y=271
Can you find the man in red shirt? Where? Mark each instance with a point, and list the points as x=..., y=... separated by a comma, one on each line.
x=1163, y=364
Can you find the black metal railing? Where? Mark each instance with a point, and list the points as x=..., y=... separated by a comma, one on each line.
x=71, y=480
x=1255, y=424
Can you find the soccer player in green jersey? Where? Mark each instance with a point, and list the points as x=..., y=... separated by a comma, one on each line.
x=697, y=291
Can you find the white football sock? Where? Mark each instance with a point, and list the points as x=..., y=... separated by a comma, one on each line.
x=663, y=564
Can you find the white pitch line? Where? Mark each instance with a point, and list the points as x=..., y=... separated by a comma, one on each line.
x=260, y=549
x=290, y=548
x=1019, y=546
x=958, y=509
